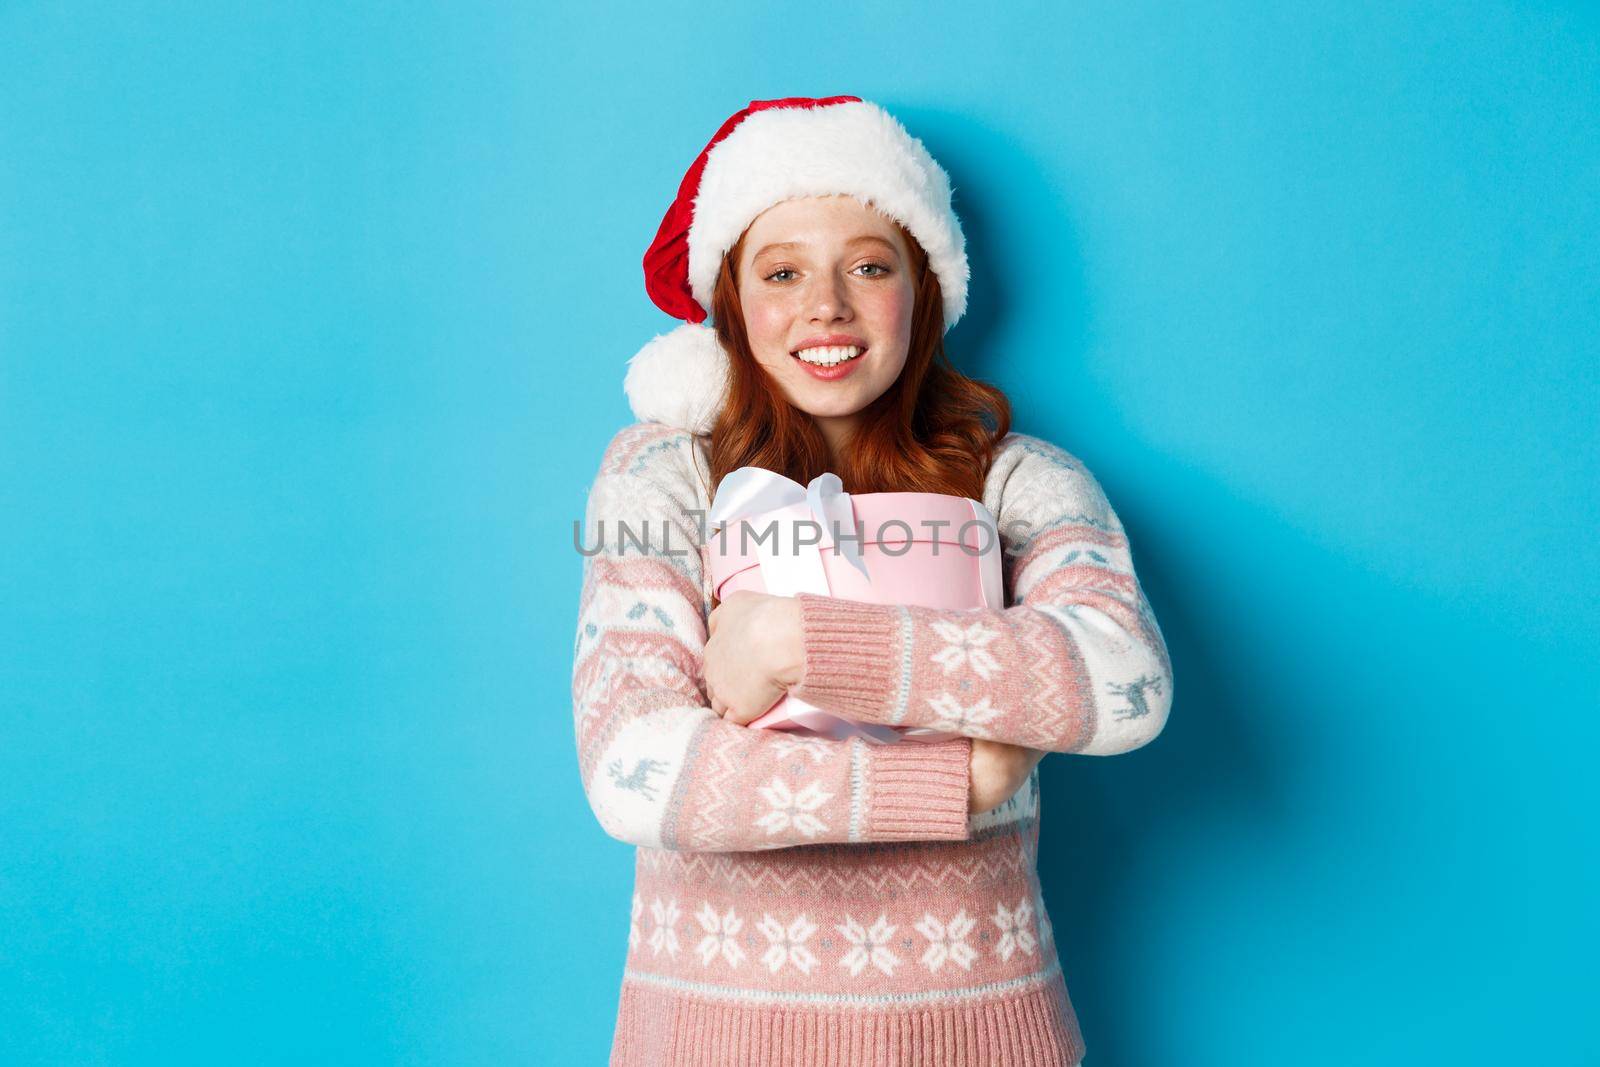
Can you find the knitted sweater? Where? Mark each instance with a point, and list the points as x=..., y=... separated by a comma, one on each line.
x=806, y=900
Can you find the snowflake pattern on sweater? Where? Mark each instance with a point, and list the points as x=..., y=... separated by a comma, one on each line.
x=661, y=769
x=775, y=869
x=1075, y=664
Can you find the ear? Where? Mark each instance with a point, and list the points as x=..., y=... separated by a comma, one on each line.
x=679, y=378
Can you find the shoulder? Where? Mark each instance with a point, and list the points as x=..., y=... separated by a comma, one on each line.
x=1039, y=480
x=653, y=458
x=646, y=448
x=1019, y=449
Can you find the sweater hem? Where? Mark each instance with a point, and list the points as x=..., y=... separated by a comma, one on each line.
x=1026, y=1022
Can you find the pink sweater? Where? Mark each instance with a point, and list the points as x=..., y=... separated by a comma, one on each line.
x=802, y=900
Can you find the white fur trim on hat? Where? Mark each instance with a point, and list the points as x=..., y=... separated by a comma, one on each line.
x=679, y=378
x=853, y=148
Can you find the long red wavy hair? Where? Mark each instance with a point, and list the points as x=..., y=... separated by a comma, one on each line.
x=934, y=430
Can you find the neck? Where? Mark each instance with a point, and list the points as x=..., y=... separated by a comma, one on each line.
x=836, y=431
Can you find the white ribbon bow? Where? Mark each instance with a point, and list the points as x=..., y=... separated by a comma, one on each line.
x=755, y=490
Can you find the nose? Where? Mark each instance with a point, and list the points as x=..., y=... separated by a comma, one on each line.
x=829, y=298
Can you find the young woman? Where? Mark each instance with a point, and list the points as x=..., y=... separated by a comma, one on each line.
x=801, y=899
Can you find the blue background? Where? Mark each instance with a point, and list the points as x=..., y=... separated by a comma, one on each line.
x=313, y=324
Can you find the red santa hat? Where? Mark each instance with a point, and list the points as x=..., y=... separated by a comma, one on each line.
x=770, y=151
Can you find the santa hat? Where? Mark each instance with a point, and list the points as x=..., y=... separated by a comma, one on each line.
x=771, y=151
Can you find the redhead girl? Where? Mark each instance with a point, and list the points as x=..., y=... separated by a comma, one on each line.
x=804, y=900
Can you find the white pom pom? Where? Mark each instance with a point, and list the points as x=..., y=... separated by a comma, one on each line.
x=679, y=378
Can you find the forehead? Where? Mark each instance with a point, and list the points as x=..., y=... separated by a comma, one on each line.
x=818, y=223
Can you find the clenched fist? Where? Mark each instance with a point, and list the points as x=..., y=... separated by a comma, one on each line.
x=998, y=771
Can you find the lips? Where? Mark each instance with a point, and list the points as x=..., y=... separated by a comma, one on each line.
x=830, y=372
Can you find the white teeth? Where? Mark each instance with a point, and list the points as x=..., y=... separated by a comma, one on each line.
x=827, y=357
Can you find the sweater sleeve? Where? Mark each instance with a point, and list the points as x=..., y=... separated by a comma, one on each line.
x=658, y=766
x=1075, y=664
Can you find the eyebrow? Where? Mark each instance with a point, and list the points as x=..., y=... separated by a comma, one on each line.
x=786, y=245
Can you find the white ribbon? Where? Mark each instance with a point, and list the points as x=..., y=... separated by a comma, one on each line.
x=751, y=491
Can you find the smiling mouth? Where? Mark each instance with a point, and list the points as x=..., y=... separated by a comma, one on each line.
x=830, y=356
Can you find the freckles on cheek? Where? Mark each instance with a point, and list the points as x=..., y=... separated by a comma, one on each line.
x=768, y=326
x=897, y=307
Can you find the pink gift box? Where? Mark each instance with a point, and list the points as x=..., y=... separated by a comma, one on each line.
x=924, y=549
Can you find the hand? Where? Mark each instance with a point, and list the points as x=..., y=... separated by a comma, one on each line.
x=754, y=655
x=998, y=771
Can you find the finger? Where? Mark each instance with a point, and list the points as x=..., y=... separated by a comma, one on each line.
x=737, y=711
x=745, y=714
x=720, y=706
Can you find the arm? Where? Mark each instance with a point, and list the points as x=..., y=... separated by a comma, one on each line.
x=659, y=767
x=1080, y=667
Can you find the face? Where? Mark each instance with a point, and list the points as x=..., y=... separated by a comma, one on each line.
x=830, y=279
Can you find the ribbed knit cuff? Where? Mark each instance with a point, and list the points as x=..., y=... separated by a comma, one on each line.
x=919, y=790
x=852, y=654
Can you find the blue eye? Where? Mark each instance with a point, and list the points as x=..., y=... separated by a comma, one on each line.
x=882, y=270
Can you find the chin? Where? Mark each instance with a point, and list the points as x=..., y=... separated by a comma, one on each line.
x=831, y=408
